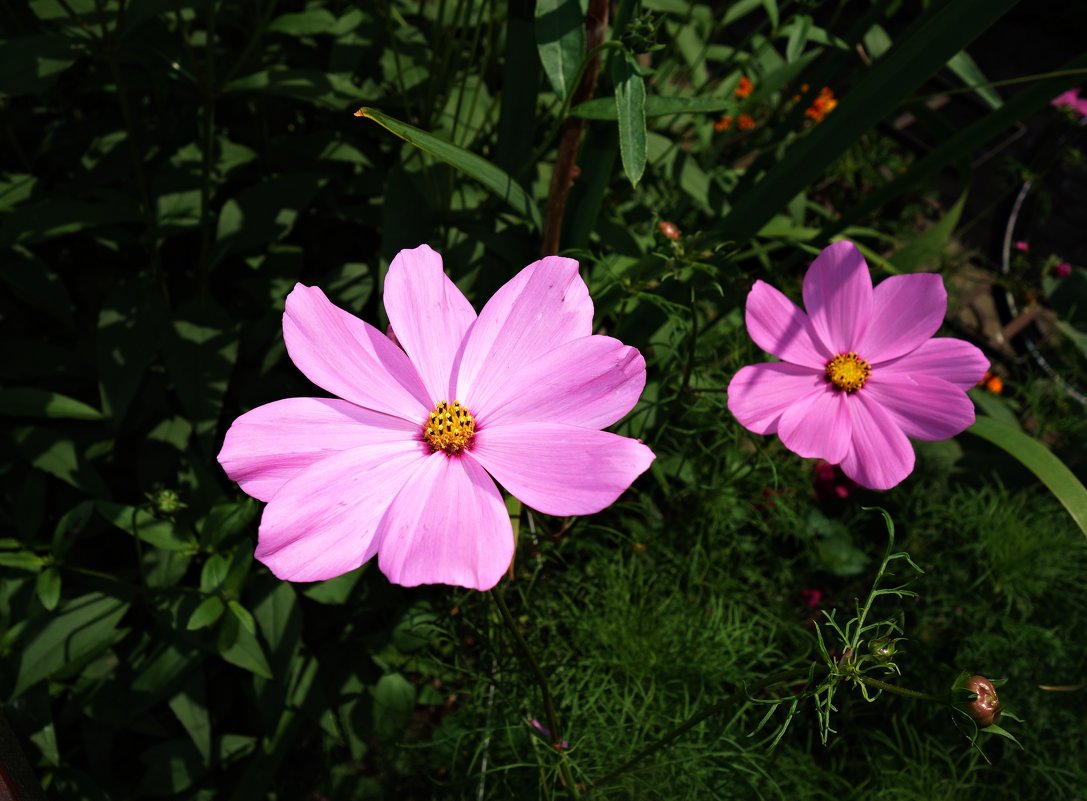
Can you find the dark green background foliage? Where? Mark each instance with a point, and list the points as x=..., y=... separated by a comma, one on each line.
x=168, y=171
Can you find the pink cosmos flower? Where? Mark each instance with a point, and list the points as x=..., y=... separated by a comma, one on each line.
x=859, y=372
x=1062, y=270
x=1072, y=100
x=400, y=464
x=1022, y=246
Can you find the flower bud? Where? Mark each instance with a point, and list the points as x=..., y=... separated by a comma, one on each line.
x=883, y=649
x=976, y=696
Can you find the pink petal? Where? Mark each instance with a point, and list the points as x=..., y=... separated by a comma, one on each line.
x=782, y=329
x=322, y=523
x=953, y=360
x=923, y=406
x=818, y=425
x=906, y=311
x=347, y=357
x=559, y=469
x=838, y=296
x=759, y=393
x=589, y=382
x=429, y=314
x=448, y=525
x=271, y=444
x=880, y=455
x=543, y=306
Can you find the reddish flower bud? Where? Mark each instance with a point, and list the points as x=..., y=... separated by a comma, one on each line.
x=669, y=230
x=979, y=700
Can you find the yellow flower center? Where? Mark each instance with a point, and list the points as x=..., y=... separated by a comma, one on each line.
x=450, y=428
x=848, y=371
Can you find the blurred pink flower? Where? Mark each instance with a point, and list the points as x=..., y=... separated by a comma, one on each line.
x=811, y=597
x=830, y=483
x=399, y=467
x=1062, y=270
x=1072, y=100
x=859, y=372
x=1022, y=246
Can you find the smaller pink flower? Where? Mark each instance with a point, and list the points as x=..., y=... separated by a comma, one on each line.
x=1071, y=100
x=1022, y=246
x=1062, y=270
x=811, y=597
x=860, y=371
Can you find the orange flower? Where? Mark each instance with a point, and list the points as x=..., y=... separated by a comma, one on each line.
x=744, y=89
x=723, y=124
x=746, y=122
x=669, y=230
x=992, y=382
x=821, y=106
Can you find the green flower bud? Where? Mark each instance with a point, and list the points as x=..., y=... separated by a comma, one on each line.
x=882, y=649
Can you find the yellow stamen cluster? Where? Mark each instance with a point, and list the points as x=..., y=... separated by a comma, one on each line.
x=450, y=428
x=848, y=371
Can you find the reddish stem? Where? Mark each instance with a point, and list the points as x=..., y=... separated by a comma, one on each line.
x=562, y=177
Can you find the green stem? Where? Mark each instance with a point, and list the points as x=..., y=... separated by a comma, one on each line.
x=545, y=690
x=740, y=696
x=876, y=684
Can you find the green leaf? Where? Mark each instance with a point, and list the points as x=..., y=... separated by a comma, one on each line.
x=21, y=560
x=56, y=217
x=53, y=453
x=394, y=701
x=305, y=23
x=240, y=647
x=606, y=108
x=244, y=616
x=200, y=356
x=48, y=588
x=493, y=178
x=970, y=74
x=209, y=611
x=129, y=326
x=926, y=249
x=265, y=213
x=33, y=283
x=630, y=110
x=336, y=591
x=798, y=37
x=1037, y=458
x=190, y=709
x=28, y=402
x=81, y=628
x=141, y=523
x=15, y=188
x=30, y=64
x=560, y=41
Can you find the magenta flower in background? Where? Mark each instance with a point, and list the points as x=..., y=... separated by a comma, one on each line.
x=859, y=372
x=1072, y=100
x=402, y=464
x=1062, y=270
x=1022, y=246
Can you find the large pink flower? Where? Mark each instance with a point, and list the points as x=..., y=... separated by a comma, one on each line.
x=399, y=467
x=860, y=372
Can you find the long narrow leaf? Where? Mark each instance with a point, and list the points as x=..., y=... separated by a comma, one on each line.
x=965, y=142
x=1037, y=458
x=495, y=179
x=945, y=30
x=630, y=109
